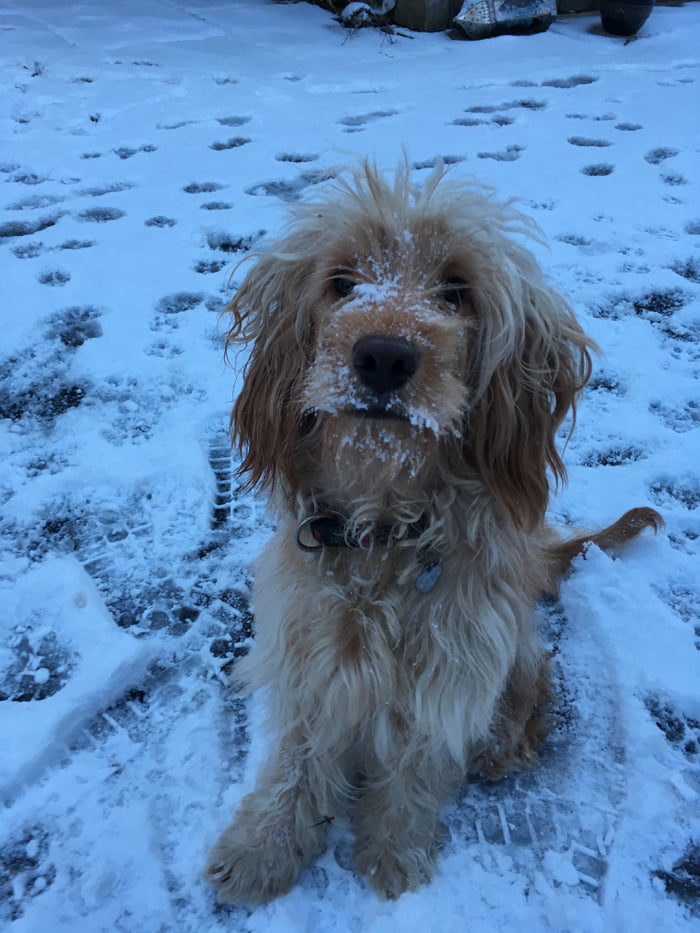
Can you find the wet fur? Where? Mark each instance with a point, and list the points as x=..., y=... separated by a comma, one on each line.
x=379, y=695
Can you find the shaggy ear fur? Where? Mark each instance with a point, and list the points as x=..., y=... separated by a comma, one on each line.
x=539, y=362
x=268, y=310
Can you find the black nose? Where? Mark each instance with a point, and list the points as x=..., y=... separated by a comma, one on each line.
x=384, y=364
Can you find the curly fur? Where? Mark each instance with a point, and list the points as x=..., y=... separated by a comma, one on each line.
x=380, y=694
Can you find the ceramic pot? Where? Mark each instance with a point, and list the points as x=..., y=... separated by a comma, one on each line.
x=624, y=17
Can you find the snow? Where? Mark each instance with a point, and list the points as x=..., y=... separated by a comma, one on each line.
x=145, y=148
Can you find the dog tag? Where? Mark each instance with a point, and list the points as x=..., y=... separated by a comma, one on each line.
x=428, y=577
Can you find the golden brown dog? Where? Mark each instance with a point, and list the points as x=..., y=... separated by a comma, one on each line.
x=410, y=369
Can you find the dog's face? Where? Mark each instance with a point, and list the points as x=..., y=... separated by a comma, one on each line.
x=394, y=326
x=391, y=339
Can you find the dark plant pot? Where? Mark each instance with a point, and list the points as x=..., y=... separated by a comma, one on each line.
x=624, y=17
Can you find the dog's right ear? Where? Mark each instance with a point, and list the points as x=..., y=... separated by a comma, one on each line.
x=271, y=310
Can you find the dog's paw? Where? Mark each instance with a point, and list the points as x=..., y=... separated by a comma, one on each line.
x=390, y=872
x=250, y=871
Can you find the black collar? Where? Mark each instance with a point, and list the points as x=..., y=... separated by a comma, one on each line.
x=329, y=529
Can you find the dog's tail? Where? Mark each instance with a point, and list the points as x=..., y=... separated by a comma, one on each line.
x=623, y=530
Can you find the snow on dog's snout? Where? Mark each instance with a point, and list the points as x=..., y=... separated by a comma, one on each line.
x=432, y=346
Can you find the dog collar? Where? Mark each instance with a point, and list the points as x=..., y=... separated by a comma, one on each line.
x=328, y=529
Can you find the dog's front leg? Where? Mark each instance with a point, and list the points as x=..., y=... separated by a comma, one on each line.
x=398, y=833
x=277, y=829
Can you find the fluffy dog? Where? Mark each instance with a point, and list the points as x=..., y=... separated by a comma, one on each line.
x=410, y=369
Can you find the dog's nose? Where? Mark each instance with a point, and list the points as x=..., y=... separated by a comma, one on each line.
x=384, y=364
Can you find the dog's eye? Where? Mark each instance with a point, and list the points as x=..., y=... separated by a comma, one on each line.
x=342, y=286
x=454, y=291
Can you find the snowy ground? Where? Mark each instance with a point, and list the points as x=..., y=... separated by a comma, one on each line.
x=146, y=147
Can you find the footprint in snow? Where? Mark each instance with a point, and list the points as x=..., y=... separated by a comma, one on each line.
x=661, y=303
x=35, y=202
x=542, y=205
x=232, y=121
x=675, y=180
x=509, y=154
x=660, y=154
x=210, y=266
x=681, y=882
x=101, y=215
x=126, y=152
x=431, y=163
x=174, y=126
x=54, y=277
x=29, y=178
x=682, y=418
x=654, y=306
x=499, y=119
x=574, y=81
x=224, y=242
x=606, y=382
x=166, y=321
x=38, y=665
x=110, y=188
x=235, y=142
x=203, y=187
x=681, y=492
x=76, y=244
x=688, y=269
x=73, y=326
x=29, y=250
x=16, y=228
x=26, y=868
x=524, y=104
x=599, y=118
x=574, y=239
x=615, y=456
x=598, y=169
x=467, y=121
x=356, y=123
x=160, y=221
x=36, y=385
x=289, y=189
x=297, y=157
x=588, y=142
x=681, y=729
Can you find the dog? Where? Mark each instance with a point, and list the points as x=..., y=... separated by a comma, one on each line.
x=410, y=370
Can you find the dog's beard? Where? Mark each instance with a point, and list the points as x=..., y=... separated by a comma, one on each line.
x=345, y=400
x=376, y=468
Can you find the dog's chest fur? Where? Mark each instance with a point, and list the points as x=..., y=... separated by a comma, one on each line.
x=382, y=658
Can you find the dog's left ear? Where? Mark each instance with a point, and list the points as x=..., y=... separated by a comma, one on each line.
x=531, y=360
